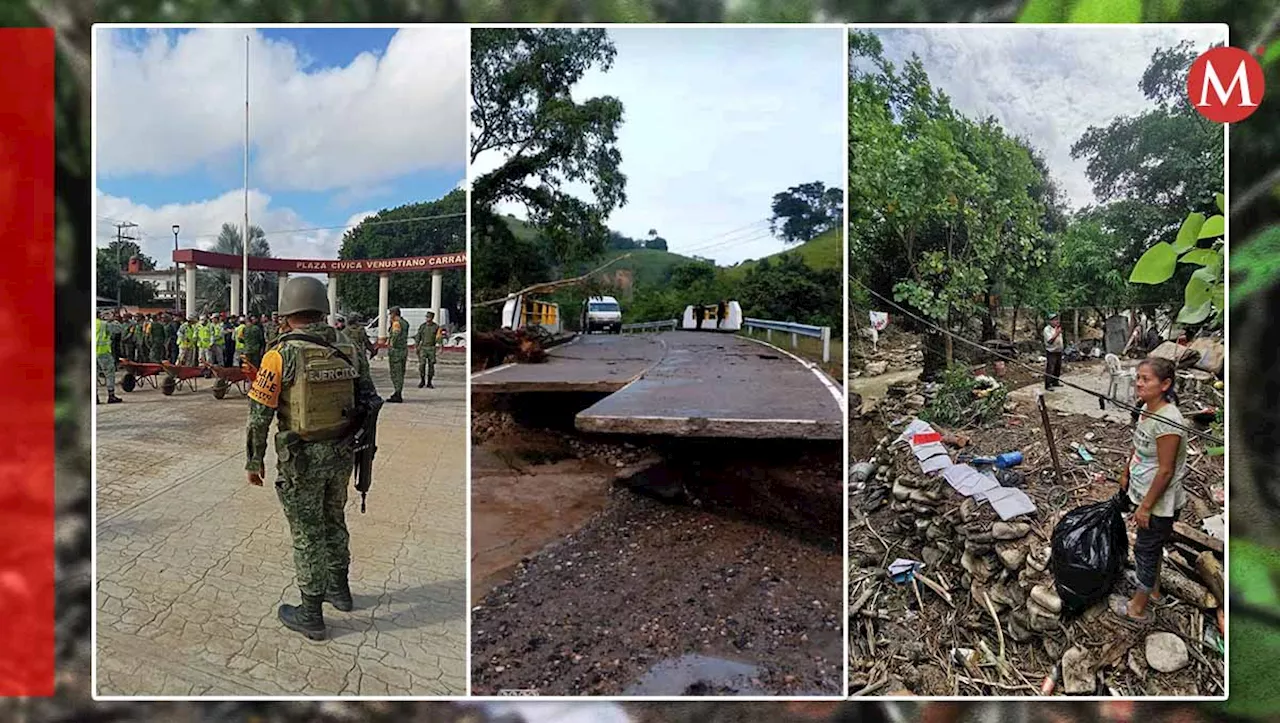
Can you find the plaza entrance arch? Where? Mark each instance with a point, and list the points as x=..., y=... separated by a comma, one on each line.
x=191, y=259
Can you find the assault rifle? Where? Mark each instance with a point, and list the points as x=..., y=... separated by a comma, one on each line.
x=366, y=446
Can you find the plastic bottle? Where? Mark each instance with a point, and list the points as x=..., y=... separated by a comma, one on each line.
x=1008, y=459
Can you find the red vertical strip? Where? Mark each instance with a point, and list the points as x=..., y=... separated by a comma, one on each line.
x=26, y=348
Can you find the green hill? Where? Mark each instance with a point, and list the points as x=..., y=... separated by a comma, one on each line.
x=651, y=266
x=824, y=252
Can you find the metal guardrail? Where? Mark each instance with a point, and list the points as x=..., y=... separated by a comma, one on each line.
x=651, y=325
x=795, y=330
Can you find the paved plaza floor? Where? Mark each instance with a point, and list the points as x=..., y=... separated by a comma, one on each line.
x=192, y=560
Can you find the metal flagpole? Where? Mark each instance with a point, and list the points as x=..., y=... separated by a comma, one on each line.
x=244, y=304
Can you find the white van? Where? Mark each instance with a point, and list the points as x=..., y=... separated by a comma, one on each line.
x=412, y=316
x=602, y=313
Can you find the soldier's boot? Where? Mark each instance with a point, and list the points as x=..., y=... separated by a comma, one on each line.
x=395, y=398
x=422, y=380
x=307, y=618
x=113, y=399
x=429, y=378
x=339, y=593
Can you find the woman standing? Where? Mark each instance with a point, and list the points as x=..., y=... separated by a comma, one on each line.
x=1153, y=479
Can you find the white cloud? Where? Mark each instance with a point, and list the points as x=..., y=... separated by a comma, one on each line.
x=169, y=106
x=202, y=220
x=1047, y=86
x=716, y=121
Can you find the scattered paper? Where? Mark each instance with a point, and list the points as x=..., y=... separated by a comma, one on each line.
x=932, y=449
x=1215, y=526
x=915, y=427
x=968, y=481
x=1010, y=502
x=940, y=463
x=901, y=569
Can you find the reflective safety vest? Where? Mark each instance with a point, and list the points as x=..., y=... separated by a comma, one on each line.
x=240, y=338
x=184, y=336
x=102, y=340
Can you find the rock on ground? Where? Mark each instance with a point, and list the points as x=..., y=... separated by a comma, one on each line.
x=1167, y=652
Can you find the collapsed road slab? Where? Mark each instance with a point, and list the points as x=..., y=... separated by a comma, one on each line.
x=599, y=363
x=717, y=385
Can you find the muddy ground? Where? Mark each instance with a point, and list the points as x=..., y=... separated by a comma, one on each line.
x=607, y=566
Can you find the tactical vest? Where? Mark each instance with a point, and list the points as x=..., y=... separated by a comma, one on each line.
x=318, y=404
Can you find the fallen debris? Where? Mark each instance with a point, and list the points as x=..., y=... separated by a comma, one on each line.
x=985, y=618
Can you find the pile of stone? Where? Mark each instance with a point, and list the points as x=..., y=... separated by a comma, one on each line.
x=1000, y=566
x=1001, y=561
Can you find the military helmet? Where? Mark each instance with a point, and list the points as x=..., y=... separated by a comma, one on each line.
x=304, y=293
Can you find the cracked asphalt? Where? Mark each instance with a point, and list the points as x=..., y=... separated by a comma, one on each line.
x=192, y=561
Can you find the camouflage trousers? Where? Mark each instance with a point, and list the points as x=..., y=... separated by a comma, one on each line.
x=312, y=488
x=426, y=364
x=399, y=359
x=187, y=356
x=107, y=370
x=156, y=352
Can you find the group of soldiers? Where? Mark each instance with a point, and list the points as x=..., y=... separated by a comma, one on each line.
x=216, y=339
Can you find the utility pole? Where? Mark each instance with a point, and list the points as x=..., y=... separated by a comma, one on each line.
x=120, y=239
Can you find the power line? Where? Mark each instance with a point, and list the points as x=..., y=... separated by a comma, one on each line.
x=999, y=355
x=703, y=244
x=387, y=222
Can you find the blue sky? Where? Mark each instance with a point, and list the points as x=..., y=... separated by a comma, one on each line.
x=344, y=122
x=716, y=121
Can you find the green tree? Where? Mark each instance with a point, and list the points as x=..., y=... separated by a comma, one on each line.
x=213, y=286
x=655, y=241
x=939, y=203
x=802, y=213
x=129, y=250
x=111, y=279
x=522, y=108
x=1089, y=267
x=786, y=289
x=1150, y=169
x=388, y=234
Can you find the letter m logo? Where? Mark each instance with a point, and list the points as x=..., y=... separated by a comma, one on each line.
x=1225, y=84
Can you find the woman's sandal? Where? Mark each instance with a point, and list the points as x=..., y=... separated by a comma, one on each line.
x=1131, y=577
x=1120, y=608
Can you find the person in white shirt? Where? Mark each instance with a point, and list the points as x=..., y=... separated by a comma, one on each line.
x=1053, y=352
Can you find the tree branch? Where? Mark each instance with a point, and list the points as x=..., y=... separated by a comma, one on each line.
x=548, y=285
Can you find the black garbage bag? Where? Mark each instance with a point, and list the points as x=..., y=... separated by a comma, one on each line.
x=1089, y=549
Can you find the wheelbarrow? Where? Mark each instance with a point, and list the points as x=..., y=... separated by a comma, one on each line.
x=240, y=377
x=176, y=376
x=135, y=372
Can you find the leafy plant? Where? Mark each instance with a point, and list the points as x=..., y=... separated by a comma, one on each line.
x=957, y=403
x=1205, y=293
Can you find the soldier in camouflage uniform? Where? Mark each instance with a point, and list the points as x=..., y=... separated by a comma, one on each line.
x=171, y=339
x=157, y=340
x=271, y=328
x=126, y=337
x=397, y=352
x=425, y=340
x=255, y=341
x=115, y=329
x=356, y=333
x=310, y=378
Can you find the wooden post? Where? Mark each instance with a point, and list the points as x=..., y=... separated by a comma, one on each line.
x=1077, y=324
x=1048, y=433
